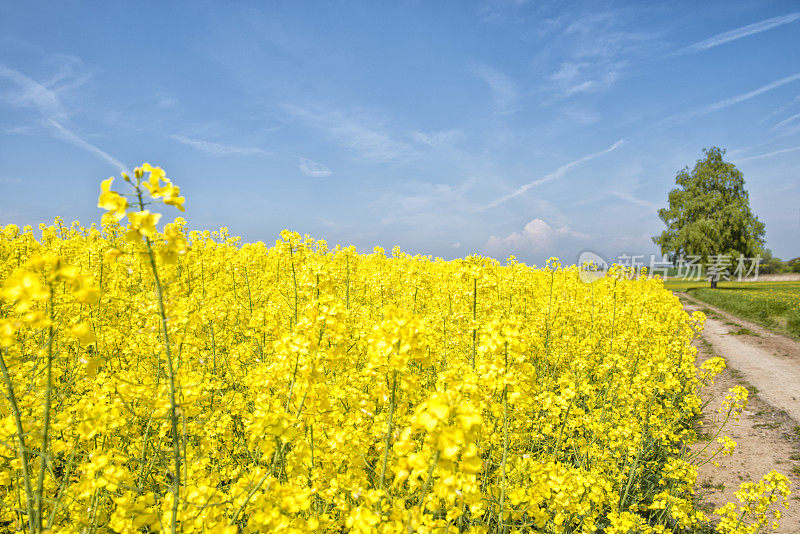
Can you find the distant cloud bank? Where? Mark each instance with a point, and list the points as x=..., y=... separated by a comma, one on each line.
x=536, y=236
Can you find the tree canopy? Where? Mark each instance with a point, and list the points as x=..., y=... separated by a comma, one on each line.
x=709, y=213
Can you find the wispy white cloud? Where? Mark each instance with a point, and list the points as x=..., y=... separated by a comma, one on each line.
x=747, y=96
x=769, y=155
x=219, y=148
x=71, y=137
x=739, y=33
x=556, y=174
x=779, y=110
x=768, y=142
x=581, y=77
x=505, y=91
x=309, y=167
x=32, y=94
x=784, y=122
x=360, y=131
x=683, y=116
x=536, y=236
x=569, y=78
x=594, y=49
x=435, y=139
x=627, y=197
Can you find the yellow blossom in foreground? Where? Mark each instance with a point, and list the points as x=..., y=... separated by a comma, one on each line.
x=111, y=200
x=83, y=333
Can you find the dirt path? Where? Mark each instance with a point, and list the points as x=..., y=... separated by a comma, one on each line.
x=768, y=361
x=767, y=435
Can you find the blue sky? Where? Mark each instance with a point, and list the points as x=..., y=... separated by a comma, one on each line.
x=446, y=128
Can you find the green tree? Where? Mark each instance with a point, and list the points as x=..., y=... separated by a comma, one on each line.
x=770, y=264
x=709, y=215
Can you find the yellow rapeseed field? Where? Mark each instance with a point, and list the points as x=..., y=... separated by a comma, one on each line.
x=184, y=381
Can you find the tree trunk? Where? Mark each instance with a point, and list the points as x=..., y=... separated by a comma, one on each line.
x=713, y=283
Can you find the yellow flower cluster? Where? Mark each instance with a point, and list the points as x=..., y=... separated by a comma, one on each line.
x=754, y=508
x=185, y=381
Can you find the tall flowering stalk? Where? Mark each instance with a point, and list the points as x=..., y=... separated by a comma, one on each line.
x=143, y=227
